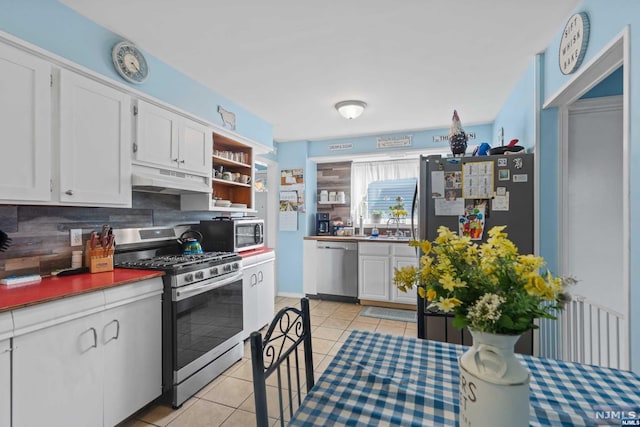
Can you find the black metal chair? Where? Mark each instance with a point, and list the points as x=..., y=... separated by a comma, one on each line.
x=278, y=352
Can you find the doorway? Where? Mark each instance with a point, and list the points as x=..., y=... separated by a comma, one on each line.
x=594, y=212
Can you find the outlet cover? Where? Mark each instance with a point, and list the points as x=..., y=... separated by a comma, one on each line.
x=75, y=237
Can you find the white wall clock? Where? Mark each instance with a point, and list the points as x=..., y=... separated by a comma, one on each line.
x=573, y=43
x=130, y=62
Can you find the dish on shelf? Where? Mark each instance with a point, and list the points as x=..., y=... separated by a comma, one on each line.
x=239, y=205
x=223, y=203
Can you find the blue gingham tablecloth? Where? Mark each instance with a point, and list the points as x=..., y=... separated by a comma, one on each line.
x=381, y=379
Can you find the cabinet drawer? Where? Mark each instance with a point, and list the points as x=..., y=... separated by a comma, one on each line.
x=373, y=249
x=403, y=250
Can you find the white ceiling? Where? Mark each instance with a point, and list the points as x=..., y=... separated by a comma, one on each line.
x=290, y=61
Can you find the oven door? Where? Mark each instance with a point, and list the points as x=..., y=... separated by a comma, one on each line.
x=249, y=235
x=207, y=321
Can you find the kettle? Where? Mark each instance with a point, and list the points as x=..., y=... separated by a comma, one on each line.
x=191, y=245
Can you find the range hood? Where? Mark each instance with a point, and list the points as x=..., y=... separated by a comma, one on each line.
x=165, y=181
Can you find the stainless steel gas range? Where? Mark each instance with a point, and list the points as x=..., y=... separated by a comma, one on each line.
x=201, y=307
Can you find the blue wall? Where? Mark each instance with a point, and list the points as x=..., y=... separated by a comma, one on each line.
x=517, y=115
x=611, y=86
x=59, y=29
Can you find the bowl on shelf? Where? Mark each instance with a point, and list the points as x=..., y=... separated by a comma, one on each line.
x=223, y=203
x=239, y=205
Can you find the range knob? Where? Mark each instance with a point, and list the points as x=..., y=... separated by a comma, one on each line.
x=188, y=277
x=227, y=267
x=199, y=275
x=213, y=271
x=235, y=266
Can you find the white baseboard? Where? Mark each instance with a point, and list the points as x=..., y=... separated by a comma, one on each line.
x=289, y=295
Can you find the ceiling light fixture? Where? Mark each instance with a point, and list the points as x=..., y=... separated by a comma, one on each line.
x=350, y=109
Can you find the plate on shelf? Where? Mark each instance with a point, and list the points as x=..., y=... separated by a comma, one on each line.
x=239, y=205
x=223, y=203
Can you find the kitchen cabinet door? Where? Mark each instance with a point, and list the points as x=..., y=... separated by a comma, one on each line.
x=410, y=297
x=131, y=337
x=58, y=375
x=95, y=139
x=373, y=277
x=195, y=148
x=250, y=300
x=25, y=120
x=157, y=136
x=6, y=332
x=5, y=383
x=167, y=139
x=266, y=292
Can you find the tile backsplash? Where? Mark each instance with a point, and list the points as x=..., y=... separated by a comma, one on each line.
x=40, y=234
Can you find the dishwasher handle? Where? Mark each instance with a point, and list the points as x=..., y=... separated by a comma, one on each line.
x=336, y=247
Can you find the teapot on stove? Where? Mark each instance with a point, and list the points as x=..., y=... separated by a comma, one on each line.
x=190, y=245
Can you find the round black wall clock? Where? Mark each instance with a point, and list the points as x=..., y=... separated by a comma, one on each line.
x=130, y=62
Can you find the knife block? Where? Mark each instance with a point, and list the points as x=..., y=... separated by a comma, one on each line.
x=99, y=259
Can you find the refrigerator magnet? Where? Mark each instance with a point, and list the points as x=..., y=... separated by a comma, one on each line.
x=502, y=163
x=503, y=175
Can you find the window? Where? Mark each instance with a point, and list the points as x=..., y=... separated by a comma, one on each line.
x=375, y=185
x=383, y=194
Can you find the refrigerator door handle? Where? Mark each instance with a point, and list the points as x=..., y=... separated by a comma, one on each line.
x=413, y=211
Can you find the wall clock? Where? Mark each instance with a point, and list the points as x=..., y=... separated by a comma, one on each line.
x=130, y=62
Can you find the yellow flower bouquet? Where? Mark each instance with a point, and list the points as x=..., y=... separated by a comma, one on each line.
x=489, y=287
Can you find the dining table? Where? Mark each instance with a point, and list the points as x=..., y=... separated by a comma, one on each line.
x=382, y=379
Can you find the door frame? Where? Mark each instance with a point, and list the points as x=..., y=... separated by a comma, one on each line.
x=615, y=54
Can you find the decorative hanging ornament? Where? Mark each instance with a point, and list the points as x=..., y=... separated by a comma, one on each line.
x=457, y=136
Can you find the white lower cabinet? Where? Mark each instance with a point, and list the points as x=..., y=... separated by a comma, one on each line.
x=376, y=263
x=89, y=360
x=6, y=331
x=258, y=290
x=132, y=339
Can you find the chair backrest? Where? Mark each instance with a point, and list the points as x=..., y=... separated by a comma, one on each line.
x=278, y=352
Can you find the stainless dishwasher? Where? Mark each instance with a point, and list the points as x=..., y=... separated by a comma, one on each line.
x=337, y=270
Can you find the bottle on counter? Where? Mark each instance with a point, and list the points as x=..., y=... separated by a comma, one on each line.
x=375, y=232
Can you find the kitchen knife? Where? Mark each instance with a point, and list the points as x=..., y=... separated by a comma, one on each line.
x=93, y=240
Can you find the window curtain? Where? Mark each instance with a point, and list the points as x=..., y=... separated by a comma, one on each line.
x=362, y=173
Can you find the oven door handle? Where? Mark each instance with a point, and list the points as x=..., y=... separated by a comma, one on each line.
x=192, y=291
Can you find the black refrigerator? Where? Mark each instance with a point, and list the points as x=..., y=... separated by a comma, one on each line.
x=470, y=195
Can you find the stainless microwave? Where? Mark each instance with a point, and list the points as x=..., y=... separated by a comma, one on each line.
x=232, y=234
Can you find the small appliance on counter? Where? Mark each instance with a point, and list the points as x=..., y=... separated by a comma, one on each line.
x=233, y=234
x=323, y=227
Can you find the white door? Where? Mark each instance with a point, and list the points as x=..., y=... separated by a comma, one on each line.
x=25, y=120
x=249, y=300
x=411, y=296
x=594, y=245
x=266, y=292
x=157, y=136
x=95, y=138
x=196, y=147
x=5, y=383
x=373, y=277
x=58, y=375
x=132, y=340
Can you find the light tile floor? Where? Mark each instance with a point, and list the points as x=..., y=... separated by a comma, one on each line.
x=228, y=400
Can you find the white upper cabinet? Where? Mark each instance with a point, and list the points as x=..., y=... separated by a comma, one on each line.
x=167, y=139
x=95, y=140
x=25, y=120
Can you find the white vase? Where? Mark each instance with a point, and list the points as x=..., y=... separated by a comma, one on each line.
x=494, y=385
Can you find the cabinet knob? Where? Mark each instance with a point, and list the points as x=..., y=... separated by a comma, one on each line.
x=69, y=192
x=175, y=160
x=181, y=161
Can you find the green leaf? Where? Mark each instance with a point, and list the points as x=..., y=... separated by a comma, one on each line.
x=505, y=322
x=459, y=321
